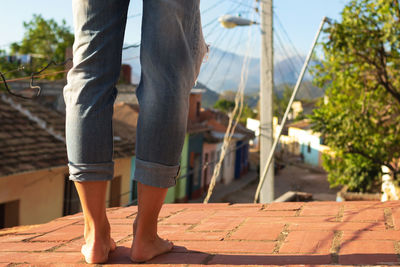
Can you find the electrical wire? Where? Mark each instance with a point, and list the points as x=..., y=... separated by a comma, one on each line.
x=33, y=76
x=212, y=7
x=237, y=111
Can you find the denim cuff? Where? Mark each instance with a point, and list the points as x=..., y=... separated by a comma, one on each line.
x=91, y=172
x=155, y=174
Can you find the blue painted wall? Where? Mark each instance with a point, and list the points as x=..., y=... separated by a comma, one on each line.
x=193, y=184
x=311, y=155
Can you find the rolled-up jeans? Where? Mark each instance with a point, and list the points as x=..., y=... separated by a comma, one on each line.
x=171, y=53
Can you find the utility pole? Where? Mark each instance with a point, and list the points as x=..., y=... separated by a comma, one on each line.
x=266, y=99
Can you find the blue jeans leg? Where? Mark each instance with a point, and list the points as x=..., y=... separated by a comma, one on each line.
x=90, y=92
x=172, y=50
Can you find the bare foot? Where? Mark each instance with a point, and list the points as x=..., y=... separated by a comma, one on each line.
x=97, y=252
x=144, y=250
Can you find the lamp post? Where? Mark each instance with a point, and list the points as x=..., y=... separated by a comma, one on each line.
x=266, y=90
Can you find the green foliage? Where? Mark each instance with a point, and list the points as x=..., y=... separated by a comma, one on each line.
x=360, y=122
x=280, y=103
x=45, y=40
x=224, y=105
x=228, y=106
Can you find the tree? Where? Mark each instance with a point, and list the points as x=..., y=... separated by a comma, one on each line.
x=360, y=122
x=227, y=107
x=45, y=40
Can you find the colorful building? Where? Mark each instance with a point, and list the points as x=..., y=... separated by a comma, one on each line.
x=34, y=184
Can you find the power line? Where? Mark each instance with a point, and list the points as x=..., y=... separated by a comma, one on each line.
x=219, y=62
x=213, y=6
x=33, y=76
x=289, y=59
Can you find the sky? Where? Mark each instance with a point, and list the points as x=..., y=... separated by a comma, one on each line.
x=298, y=21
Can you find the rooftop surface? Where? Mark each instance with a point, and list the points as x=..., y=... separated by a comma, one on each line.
x=288, y=233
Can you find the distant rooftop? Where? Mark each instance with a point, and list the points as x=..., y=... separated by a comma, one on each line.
x=295, y=233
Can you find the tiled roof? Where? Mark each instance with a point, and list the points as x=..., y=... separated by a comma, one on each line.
x=24, y=145
x=32, y=137
x=303, y=124
x=286, y=233
x=219, y=121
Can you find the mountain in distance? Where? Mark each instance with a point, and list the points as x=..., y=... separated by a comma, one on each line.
x=222, y=72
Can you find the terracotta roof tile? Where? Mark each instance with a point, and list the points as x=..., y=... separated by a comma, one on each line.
x=25, y=145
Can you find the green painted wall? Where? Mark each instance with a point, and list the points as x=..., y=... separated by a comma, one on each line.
x=170, y=197
x=180, y=188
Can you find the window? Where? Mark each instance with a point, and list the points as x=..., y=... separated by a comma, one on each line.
x=9, y=214
x=309, y=147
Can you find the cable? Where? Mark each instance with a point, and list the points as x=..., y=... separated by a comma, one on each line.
x=291, y=64
x=231, y=62
x=219, y=62
x=237, y=111
x=212, y=7
x=33, y=76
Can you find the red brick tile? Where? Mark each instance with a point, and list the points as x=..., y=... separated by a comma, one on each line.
x=64, y=234
x=307, y=242
x=179, y=232
x=320, y=210
x=188, y=217
x=369, y=259
x=367, y=252
x=276, y=213
x=74, y=217
x=27, y=246
x=269, y=259
x=167, y=211
x=179, y=258
x=48, y=227
x=122, y=228
x=338, y=226
x=16, y=237
x=361, y=205
x=367, y=247
x=396, y=217
x=120, y=256
x=371, y=235
x=301, y=219
x=258, y=232
x=193, y=236
x=73, y=246
x=218, y=224
x=225, y=246
x=369, y=215
x=323, y=203
x=130, y=209
x=285, y=206
x=164, y=229
x=247, y=206
x=41, y=257
x=235, y=213
x=126, y=221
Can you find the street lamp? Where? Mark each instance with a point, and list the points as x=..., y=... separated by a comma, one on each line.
x=229, y=21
